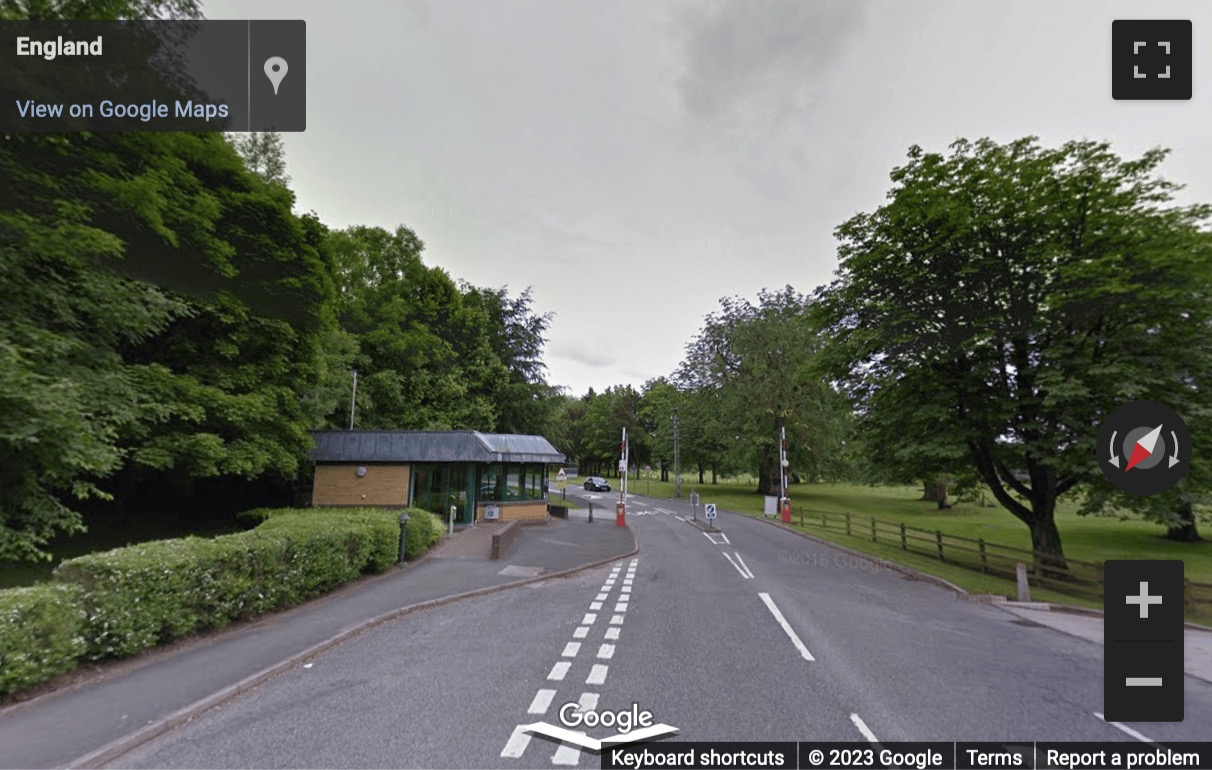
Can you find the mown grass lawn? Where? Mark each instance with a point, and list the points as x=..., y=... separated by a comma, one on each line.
x=1085, y=538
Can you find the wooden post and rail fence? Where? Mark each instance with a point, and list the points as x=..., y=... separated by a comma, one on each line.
x=1072, y=577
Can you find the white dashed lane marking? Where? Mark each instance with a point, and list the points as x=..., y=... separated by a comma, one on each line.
x=570, y=755
x=1128, y=730
x=782, y=621
x=597, y=675
x=517, y=743
x=863, y=728
x=541, y=702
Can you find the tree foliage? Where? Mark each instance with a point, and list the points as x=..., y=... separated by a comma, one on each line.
x=1007, y=297
x=168, y=318
x=758, y=361
x=163, y=309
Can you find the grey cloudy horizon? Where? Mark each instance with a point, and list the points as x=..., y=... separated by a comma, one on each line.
x=634, y=162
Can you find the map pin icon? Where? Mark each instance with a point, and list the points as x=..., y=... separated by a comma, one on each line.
x=275, y=70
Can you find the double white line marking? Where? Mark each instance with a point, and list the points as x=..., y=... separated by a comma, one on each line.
x=568, y=752
x=740, y=565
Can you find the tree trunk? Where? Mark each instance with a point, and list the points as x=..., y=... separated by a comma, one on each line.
x=1046, y=542
x=700, y=473
x=713, y=474
x=934, y=491
x=768, y=485
x=1185, y=530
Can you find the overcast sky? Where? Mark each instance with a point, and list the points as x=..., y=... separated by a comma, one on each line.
x=635, y=160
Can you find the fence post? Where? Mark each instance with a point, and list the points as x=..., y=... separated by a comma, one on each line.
x=984, y=559
x=904, y=542
x=823, y=524
x=873, y=536
x=938, y=538
x=847, y=523
x=1020, y=577
x=801, y=516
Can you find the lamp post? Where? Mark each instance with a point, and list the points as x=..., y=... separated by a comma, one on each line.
x=677, y=457
x=353, y=399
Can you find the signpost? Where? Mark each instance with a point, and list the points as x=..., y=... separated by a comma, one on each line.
x=562, y=483
x=620, y=514
x=694, y=503
x=709, y=512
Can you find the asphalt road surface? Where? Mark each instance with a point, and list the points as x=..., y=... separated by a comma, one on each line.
x=748, y=634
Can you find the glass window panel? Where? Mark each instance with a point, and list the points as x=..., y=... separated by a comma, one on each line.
x=513, y=483
x=534, y=482
x=492, y=486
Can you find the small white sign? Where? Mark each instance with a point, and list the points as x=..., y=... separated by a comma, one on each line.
x=622, y=466
x=709, y=510
x=561, y=475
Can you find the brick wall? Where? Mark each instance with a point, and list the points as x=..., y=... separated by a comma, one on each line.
x=339, y=484
x=531, y=509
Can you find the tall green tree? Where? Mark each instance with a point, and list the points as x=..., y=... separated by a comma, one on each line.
x=163, y=308
x=659, y=402
x=422, y=348
x=1008, y=296
x=265, y=155
x=762, y=360
x=100, y=10
x=525, y=402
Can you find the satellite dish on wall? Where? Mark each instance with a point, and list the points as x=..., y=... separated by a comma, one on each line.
x=361, y=471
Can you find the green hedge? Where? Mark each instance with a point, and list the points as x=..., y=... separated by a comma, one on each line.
x=41, y=634
x=139, y=596
x=119, y=602
x=424, y=529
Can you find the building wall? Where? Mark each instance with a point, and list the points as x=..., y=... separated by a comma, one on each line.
x=339, y=484
x=530, y=509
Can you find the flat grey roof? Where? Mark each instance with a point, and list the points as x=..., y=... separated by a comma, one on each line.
x=429, y=446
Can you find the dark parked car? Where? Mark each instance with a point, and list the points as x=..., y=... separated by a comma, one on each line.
x=596, y=484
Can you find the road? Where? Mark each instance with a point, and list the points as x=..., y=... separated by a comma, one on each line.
x=750, y=634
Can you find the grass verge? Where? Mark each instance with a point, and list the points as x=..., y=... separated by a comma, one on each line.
x=1085, y=538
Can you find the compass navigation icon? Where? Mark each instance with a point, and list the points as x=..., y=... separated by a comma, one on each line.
x=1134, y=441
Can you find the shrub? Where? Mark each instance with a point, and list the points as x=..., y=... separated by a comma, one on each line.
x=424, y=529
x=141, y=595
x=41, y=634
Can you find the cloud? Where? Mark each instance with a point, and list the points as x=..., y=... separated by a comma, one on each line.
x=755, y=78
x=739, y=53
x=593, y=354
x=420, y=12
